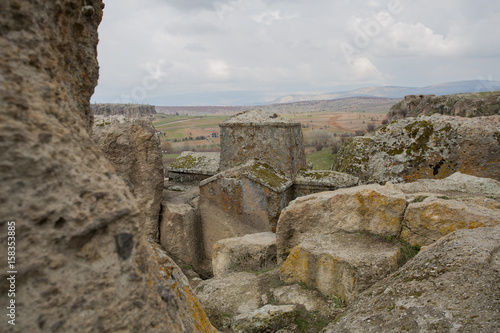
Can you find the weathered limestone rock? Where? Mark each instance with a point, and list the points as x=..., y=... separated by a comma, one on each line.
x=235, y=293
x=127, y=110
x=180, y=233
x=450, y=286
x=243, y=200
x=82, y=262
x=263, y=136
x=371, y=208
x=340, y=264
x=436, y=216
x=425, y=147
x=313, y=181
x=311, y=299
x=251, y=252
x=191, y=167
x=133, y=148
x=464, y=105
x=269, y=318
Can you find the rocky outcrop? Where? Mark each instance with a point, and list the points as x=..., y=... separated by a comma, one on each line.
x=82, y=262
x=450, y=286
x=133, y=148
x=340, y=265
x=357, y=209
x=425, y=147
x=464, y=105
x=251, y=252
x=127, y=110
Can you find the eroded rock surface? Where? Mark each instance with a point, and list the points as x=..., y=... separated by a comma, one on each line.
x=82, y=262
x=432, y=147
x=450, y=286
x=133, y=148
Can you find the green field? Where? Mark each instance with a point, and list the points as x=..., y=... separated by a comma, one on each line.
x=322, y=160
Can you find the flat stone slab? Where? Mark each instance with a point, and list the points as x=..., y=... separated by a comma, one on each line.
x=251, y=252
x=269, y=318
x=340, y=264
x=198, y=163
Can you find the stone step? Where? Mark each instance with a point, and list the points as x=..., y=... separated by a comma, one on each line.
x=340, y=264
x=251, y=252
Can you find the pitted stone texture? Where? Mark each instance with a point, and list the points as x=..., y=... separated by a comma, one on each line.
x=436, y=216
x=83, y=264
x=133, y=148
x=269, y=318
x=374, y=209
x=235, y=293
x=340, y=264
x=263, y=136
x=432, y=147
x=450, y=286
x=251, y=252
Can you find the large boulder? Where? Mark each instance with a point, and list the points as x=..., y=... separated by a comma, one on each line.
x=133, y=148
x=82, y=263
x=340, y=265
x=373, y=209
x=251, y=252
x=431, y=147
x=450, y=286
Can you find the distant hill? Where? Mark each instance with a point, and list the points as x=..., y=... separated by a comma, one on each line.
x=352, y=104
x=399, y=92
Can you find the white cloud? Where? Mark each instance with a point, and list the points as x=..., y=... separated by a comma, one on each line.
x=265, y=45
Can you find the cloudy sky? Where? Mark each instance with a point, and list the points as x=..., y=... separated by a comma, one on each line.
x=230, y=52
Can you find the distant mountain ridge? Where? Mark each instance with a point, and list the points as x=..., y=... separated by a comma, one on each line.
x=447, y=88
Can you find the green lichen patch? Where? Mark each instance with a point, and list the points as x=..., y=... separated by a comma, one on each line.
x=205, y=163
x=266, y=175
x=189, y=162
